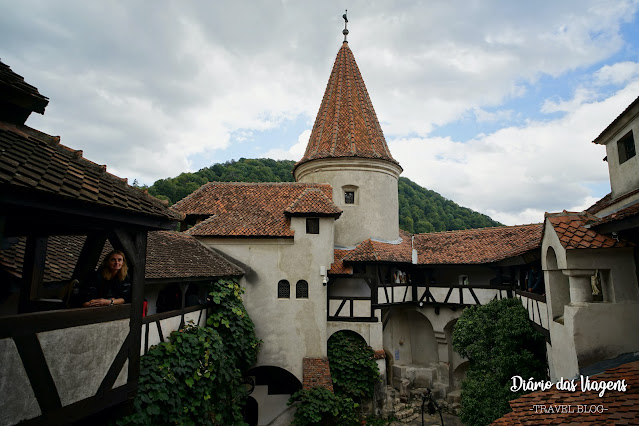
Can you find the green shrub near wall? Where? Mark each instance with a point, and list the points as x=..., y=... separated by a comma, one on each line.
x=499, y=342
x=195, y=378
x=354, y=373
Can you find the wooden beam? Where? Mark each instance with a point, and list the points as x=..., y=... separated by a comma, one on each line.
x=89, y=256
x=124, y=241
x=35, y=255
x=38, y=322
x=115, y=368
x=35, y=365
x=83, y=408
x=138, y=254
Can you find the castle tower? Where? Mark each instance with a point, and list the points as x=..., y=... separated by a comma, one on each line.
x=347, y=149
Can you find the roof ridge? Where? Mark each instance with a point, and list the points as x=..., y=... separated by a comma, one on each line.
x=486, y=228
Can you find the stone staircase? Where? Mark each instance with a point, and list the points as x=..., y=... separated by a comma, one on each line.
x=411, y=383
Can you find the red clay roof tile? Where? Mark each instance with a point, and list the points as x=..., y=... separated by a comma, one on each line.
x=475, y=246
x=168, y=255
x=313, y=202
x=33, y=161
x=253, y=209
x=573, y=234
x=346, y=123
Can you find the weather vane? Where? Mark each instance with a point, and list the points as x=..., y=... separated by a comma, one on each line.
x=345, y=32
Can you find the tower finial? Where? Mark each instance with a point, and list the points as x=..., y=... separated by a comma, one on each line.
x=345, y=32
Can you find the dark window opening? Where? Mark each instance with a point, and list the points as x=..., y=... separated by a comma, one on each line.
x=349, y=197
x=359, y=268
x=626, y=147
x=283, y=290
x=301, y=290
x=312, y=225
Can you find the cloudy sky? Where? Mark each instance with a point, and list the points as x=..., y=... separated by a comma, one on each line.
x=493, y=104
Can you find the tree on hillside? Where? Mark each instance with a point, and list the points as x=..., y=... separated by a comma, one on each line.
x=420, y=210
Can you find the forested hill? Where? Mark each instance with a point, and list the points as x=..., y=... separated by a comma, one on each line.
x=420, y=210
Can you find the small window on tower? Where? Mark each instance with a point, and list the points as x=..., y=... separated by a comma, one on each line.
x=312, y=225
x=626, y=147
x=349, y=197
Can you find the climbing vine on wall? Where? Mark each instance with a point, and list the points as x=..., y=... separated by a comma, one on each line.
x=353, y=367
x=195, y=378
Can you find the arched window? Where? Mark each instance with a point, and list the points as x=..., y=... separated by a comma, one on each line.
x=283, y=290
x=301, y=290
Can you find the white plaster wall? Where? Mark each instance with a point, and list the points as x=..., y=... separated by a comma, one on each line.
x=371, y=332
x=622, y=286
x=269, y=406
x=394, y=294
x=409, y=338
x=590, y=332
x=604, y=330
x=290, y=328
x=376, y=212
x=350, y=287
x=18, y=401
x=79, y=357
x=562, y=355
x=623, y=177
x=477, y=275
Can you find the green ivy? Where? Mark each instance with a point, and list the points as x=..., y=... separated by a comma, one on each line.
x=499, y=342
x=353, y=368
x=195, y=378
x=319, y=406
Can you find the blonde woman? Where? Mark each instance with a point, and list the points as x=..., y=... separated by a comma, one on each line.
x=111, y=284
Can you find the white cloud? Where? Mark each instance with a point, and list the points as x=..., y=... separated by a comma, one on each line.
x=517, y=173
x=152, y=97
x=618, y=73
x=295, y=152
x=482, y=115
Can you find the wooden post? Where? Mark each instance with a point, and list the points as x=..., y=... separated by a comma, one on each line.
x=137, y=301
x=35, y=255
x=89, y=256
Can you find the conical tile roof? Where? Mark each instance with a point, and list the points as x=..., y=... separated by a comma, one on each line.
x=346, y=124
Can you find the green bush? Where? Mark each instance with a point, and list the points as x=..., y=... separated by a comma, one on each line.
x=195, y=378
x=499, y=342
x=353, y=369
x=319, y=406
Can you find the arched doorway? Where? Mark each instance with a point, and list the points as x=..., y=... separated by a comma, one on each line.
x=557, y=286
x=410, y=339
x=273, y=388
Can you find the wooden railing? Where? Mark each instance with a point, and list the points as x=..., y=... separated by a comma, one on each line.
x=537, y=309
x=439, y=294
x=157, y=327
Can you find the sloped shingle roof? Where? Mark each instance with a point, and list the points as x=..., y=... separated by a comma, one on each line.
x=338, y=267
x=377, y=251
x=573, y=234
x=253, y=209
x=313, y=201
x=476, y=246
x=169, y=255
x=346, y=123
x=31, y=160
x=19, y=93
